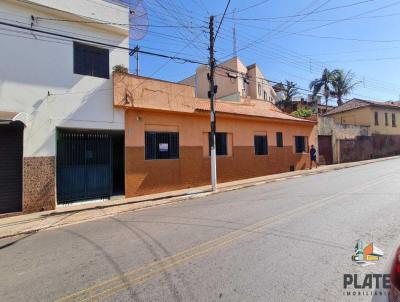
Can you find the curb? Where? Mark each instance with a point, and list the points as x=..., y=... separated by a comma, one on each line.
x=170, y=199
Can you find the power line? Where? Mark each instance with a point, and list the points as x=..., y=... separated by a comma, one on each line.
x=222, y=19
x=302, y=56
x=323, y=20
x=304, y=67
x=159, y=34
x=249, y=7
x=242, y=75
x=100, y=43
x=305, y=14
x=351, y=17
x=161, y=67
x=203, y=6
x=262, y=38
x=170, y=37
x=156, y=15
x=122, y=48
x=177, y=19
x=120, y=24
x=303, y=17
x=174, y=57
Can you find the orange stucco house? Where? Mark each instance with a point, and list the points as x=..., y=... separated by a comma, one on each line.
x=166, y=137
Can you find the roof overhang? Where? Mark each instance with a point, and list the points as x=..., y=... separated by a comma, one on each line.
x=8, y=117
x=260, y=118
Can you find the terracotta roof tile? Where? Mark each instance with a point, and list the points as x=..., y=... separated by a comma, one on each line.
x=248, y=107
x=350, y=105
x=359, y=103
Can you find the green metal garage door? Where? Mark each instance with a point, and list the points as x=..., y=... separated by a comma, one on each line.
x=84, y=165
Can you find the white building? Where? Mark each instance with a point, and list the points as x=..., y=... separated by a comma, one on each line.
x=54, y=92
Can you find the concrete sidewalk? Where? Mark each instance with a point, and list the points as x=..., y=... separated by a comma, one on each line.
x=31, y=223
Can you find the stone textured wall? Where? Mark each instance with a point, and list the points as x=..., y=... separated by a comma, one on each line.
x=328, y=126
x=39, y=184
x=367, y=147
x=193, y=168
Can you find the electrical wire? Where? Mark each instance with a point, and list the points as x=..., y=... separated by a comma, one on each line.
x=120, y=24
x=304, y=14
x=222, y=19
x=313, y=58
x=99, y=43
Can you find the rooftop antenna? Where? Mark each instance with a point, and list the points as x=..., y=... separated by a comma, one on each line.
x=234, y=34
x=138, y=26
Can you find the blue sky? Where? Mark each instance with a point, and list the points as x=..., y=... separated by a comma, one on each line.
x=289, y=40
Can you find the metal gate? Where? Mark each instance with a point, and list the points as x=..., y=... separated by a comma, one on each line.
x=84, y=165
x=325, y=149
x=11, y=152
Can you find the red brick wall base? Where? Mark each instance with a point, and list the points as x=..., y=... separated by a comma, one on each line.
x=39, y=184
x=193, y=169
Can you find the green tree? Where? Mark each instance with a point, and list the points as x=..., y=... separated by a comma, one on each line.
x=324, y=83
x=290, y=90
x=302, y=112
x=342, y=83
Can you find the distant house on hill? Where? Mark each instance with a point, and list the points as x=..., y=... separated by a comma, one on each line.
x=381, y=117
x=234, y=80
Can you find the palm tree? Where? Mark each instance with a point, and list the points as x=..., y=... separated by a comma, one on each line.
x=342, y=84
x=322, y=83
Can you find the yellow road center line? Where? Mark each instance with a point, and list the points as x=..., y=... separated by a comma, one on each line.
x=141, y=274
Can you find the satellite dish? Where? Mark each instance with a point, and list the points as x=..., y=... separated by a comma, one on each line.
x=138, y=21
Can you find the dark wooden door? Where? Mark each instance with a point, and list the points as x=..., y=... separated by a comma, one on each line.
x=325, y=149
x=11, y=156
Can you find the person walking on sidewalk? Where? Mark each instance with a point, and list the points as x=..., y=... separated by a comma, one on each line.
x=313, y=157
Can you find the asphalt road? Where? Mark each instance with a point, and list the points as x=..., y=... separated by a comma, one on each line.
x=291, y=240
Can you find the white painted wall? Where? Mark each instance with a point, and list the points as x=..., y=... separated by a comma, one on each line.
x=33, y=65
x=93, y=9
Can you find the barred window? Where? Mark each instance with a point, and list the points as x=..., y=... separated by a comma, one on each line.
x=221, y=143
x=260, y=144
x=386, y=119
x=161, y=145
x=394, y=120
x=279, y=139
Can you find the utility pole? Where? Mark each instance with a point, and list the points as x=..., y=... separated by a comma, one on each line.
x=137, y=60
x=211, y=94
x=135, y=52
